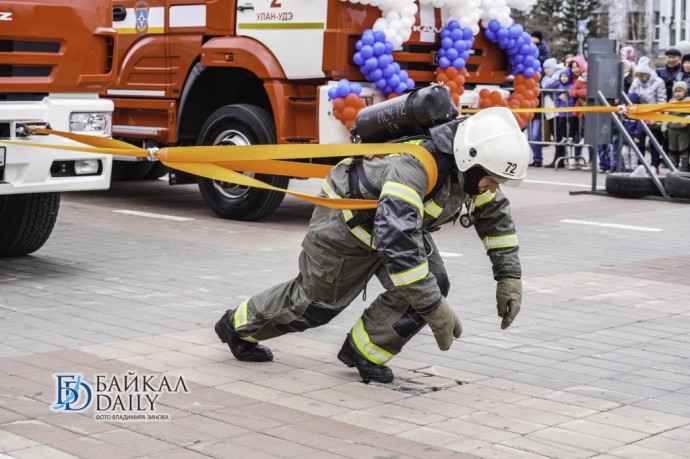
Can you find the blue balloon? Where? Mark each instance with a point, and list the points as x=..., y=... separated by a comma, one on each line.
x=467, y=34
x=394, y=80
x=513, y=32
x=516, y=58
x=445, y=33
x=384, y=60
x=502, y=33
x=447, y=43
x=333, y=93
x=387, y=90
x=343, y=91
x=367, y=51
x=443, y=62
x=453, y=25
x=389, y=47
x=368, y=38
x=403, y=75
x=490, y=35
x=376, y=74
x=358, y=45
x=528, y=72
x=519, y=68
x=396, y=66
x=358, y=59
x=344, y=83
x=441, y=52
x=524, y=50
x=452, y=54
x=519, y=28
x=459, y=63
x=456, y=34
x=503, y=42
x=494, y=25
x=528, y=61
x=380, y=84
x=379, y=48
x=401, y=88
x=460, y=46
x=371, y=63
x=380, y=36
x=356, y=88
x=388, y=71
x=410, y=83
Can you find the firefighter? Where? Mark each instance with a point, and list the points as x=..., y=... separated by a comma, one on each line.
x=344, y=249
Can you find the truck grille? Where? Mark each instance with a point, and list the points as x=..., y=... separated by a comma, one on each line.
x=26, y=70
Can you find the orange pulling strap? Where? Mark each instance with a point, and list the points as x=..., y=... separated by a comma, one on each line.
x=641, y=112
x=223, y=162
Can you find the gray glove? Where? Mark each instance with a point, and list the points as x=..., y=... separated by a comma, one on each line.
x=508, y=299
x=445, y=325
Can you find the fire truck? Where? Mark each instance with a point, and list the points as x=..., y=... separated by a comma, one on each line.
x=223, y=72
x=55, y=58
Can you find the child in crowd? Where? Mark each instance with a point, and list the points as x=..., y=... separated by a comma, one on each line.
x=678, y=133
x=634, y=128
x=578, y=67
x=566, y=123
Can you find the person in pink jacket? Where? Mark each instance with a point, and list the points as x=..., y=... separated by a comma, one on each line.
x=578, y=68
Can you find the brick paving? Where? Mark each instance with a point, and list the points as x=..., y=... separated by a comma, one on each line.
x=595, y=366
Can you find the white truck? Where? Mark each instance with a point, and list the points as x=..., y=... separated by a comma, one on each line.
x=55, y=58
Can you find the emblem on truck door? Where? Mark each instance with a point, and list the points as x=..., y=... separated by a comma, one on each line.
x=141, y=14
x=5, y=16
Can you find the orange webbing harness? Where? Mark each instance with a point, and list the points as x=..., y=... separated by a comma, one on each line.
x=226, y=163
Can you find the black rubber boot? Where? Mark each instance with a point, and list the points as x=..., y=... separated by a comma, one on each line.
x=242, y=349
x=367, y=370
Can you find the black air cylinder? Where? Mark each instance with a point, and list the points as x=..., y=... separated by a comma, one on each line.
x=408, y=115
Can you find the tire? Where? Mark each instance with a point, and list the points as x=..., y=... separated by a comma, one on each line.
x=26, y=221
x=622, y=184
x=130, y=170
x=678, y=184
x=158, y=170
x=240, y=125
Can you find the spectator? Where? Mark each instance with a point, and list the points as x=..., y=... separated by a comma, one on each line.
x=678, y=133
x=549, y=81
x=628, y=53
x=538, y=40
x=566, y=123
x=578, y=67
x=535, y=128
x=684, y=74
x=634, y=128
x=628, y=72
x=651, y=89
x=670, y=70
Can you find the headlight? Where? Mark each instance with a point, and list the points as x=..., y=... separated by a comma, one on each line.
x=91, y=122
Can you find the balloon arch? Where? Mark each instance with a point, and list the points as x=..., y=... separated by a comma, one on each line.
x=374, y=53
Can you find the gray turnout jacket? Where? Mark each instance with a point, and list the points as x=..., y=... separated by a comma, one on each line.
x=405, y=215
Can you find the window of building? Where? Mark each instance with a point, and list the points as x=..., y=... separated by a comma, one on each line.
x=635, y=27
x=602, y=24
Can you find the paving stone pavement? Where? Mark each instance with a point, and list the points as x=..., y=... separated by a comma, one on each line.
x=595, y=366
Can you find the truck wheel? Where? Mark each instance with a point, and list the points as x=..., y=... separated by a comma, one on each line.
x=678, y=184
x=240, y=125
x=26, y=221
x=130, y=170
x=622, y=184
x=158, y=170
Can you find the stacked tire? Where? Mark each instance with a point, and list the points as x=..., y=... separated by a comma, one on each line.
x=676, y=185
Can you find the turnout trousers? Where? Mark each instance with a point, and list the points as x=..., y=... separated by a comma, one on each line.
x=332, y=273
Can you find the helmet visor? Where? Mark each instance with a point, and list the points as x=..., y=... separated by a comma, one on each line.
x=506, y=181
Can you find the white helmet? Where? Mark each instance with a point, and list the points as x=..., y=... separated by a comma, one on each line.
x=493, y=140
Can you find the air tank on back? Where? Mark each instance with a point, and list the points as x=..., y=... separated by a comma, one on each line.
x=408, y=115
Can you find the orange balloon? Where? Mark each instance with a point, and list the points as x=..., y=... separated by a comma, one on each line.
x=456, y=98
x=528, y=94
x=484, y=93
x=530, y=83
x=537, y=77
x=338, y=103
x=459, y=80
x=517, y=96
x=361, y=103
x=351, y=99
x=349, y=113
x=453, y=87
x=451, y=71
x=536, y=91
x=524, y=104
x=519, y=78
x=520, y=88
x=442, y=78
x=495, y=97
